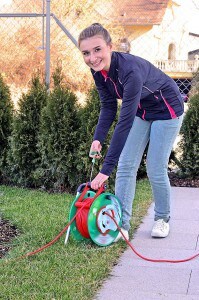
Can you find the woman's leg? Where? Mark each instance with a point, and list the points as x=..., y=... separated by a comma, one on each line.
x=128, y=165
x=162, y=136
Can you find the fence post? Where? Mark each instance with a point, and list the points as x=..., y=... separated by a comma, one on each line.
x=47, y=58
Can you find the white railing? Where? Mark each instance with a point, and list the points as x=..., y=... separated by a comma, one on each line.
x=190, y=66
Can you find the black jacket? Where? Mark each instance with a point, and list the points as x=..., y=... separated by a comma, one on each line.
x=145, y=91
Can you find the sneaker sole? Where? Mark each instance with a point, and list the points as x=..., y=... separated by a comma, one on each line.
x=156, y=235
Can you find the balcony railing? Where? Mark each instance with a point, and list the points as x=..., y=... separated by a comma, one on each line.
x=177, y=66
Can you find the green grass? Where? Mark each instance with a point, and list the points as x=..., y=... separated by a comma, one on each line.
x=75, y=271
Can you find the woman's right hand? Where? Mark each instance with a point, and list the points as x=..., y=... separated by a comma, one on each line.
x=95, y=149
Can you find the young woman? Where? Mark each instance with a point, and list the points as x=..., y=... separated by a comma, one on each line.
x=151, y=113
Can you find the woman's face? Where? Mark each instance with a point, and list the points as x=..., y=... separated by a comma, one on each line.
x=96, y=53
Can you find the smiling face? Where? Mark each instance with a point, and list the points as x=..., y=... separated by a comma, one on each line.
x=96, y=53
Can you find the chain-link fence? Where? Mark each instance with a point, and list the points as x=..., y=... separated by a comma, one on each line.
x=165, y=32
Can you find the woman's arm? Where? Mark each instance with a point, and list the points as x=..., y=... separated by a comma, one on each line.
x=131, y=99
x=108, y=112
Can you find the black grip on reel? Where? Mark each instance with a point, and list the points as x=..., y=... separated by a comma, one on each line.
x=83, y=185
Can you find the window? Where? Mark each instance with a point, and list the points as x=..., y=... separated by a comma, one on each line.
x=172, y=52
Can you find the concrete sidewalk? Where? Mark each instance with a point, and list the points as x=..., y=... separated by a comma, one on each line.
x=137, y=279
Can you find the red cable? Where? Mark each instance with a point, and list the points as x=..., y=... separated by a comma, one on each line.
x=150, y=259
x=83, y=221
x=82, y=216
x=53, y=241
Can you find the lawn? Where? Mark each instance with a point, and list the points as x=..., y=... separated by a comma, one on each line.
x=74, y=271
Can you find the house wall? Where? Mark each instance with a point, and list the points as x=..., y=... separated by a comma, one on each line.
x=153, y=42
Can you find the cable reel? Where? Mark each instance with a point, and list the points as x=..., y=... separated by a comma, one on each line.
x=91, y=221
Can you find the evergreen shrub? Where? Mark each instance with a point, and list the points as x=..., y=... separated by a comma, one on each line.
x=23, y=156
x=59, y=139
x=6, y=118
x=189, y=144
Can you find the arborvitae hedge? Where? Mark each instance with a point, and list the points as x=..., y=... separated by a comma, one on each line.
x=51, y=139
x=59, y=139
x=190, y=139
x=23, y=155
x=6, y=117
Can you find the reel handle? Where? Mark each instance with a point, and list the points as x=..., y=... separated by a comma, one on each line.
x=81, y=187
x=102, y=188
x=88, y=184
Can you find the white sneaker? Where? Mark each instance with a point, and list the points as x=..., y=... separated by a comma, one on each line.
x=160, y=229
x=120, y=236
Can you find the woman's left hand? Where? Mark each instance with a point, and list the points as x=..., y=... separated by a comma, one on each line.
x=97, y=182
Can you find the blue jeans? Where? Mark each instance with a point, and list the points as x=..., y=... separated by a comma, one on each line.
x=161, y=135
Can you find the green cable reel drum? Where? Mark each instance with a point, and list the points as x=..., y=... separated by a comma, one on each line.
x=92, y=212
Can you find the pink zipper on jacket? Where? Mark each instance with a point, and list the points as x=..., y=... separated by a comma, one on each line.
x=105, y=75
x=171, y=110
